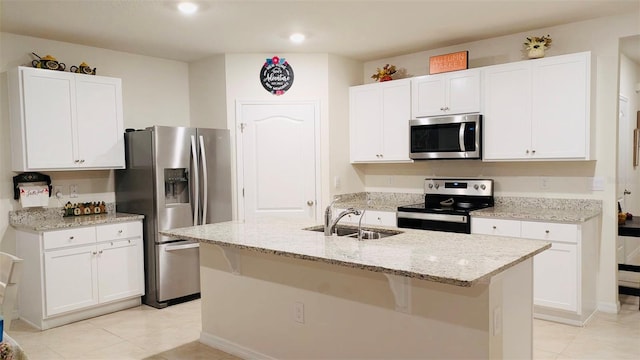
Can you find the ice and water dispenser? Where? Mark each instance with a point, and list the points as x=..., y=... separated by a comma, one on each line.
x=176, y=186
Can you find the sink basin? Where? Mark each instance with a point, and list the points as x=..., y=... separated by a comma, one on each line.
x=352, y=231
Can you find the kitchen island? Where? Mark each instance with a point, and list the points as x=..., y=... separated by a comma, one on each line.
x=273, y=290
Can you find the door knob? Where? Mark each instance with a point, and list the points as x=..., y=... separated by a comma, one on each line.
x=310, y=202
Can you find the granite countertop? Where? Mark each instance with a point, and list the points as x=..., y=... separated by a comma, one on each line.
x=540, y=209
x=450, y=258
x=48, y=222
x=377, y=201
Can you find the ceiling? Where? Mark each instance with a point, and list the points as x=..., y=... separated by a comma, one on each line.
x=362, y=30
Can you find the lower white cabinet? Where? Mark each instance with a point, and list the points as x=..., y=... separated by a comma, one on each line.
x=371, y=217
x=78, y=273
x=564, y=276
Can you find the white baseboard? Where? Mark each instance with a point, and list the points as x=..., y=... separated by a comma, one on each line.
x=231, y=347
x=609, y=308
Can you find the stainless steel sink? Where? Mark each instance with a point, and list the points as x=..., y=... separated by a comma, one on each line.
x=352, y=231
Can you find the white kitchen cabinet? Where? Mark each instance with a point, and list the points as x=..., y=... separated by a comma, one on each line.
x=70, y=279
x=555, y=277
x=77, y=273
x=564, y=276
x=379, y=122
x=381, y=218
x=538, y=109
x=65, y=121
x=371, y=217
x=445, y=94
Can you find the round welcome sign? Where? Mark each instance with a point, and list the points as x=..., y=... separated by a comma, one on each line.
x=276, y=75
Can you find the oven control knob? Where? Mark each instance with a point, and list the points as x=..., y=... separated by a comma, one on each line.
x=476, y=186
x=430, y=186
x=437, y=186
x=483, y=187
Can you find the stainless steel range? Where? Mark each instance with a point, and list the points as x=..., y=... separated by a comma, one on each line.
x=447, y=204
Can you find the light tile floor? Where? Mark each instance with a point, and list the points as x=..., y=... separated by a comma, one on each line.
x=172, y=333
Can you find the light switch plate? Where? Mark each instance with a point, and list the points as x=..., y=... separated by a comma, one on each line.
x=597, y=183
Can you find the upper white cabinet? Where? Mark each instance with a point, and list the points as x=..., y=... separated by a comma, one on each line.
x=379, y=121
x=65, y=121
x=538, y=109
x=444, y=94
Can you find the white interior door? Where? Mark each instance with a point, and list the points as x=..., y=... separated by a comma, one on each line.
x=277, y=159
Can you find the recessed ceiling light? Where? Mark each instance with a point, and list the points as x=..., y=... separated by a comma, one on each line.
x=187, y=8
x=297, y=38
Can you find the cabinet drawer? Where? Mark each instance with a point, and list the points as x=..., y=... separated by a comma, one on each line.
x=550, y=231
x=70, y=237
x=119, y=231
x=497, y=227
x=382, y=218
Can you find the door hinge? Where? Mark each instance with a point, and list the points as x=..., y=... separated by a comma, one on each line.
x=242, y=126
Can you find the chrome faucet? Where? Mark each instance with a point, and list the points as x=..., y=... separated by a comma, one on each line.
x=330, y=224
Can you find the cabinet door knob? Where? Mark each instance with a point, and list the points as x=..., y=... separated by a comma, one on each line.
x=546, y=231
x=494, y=227
x=94, y=253
x=82, y=161
x=77, y=161
x=527, y=151
x=533, y=152
x=71, y=237
x=119, y=231
x=100, y=252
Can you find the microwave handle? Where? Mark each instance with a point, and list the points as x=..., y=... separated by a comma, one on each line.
x=463, y=126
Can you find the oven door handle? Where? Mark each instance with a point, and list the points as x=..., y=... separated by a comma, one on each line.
x=462, y=219
x=463, y=127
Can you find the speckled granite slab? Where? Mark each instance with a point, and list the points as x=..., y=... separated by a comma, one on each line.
x=377, y=200
x=455, y=259
x=46, y=219
x=541, y=209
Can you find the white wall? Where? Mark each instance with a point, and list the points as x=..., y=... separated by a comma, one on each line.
x=208, y=98
x=155, y=91
x=565, y=179
x=343, y=73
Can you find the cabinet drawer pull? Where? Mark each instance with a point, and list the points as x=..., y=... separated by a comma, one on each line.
x=93, y=252
x=494, y=227
x=120, y=231
x=100, y=252
x=546, y=231
x=71, y=237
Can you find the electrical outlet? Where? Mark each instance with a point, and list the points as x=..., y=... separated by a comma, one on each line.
x=57, y=191
x=545, y=183
x=497, y=321
x=73, y=191
x=298, y=312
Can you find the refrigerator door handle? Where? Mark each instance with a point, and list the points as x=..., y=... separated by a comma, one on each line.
x=181, y=247
x=196, y=179
x=205, y=196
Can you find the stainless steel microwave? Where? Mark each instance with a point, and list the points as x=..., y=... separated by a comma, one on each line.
x=446, y=137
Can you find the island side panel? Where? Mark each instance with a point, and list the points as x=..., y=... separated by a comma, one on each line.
x=351, y=312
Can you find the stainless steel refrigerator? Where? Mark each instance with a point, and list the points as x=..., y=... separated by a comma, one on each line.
x=176, y=177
